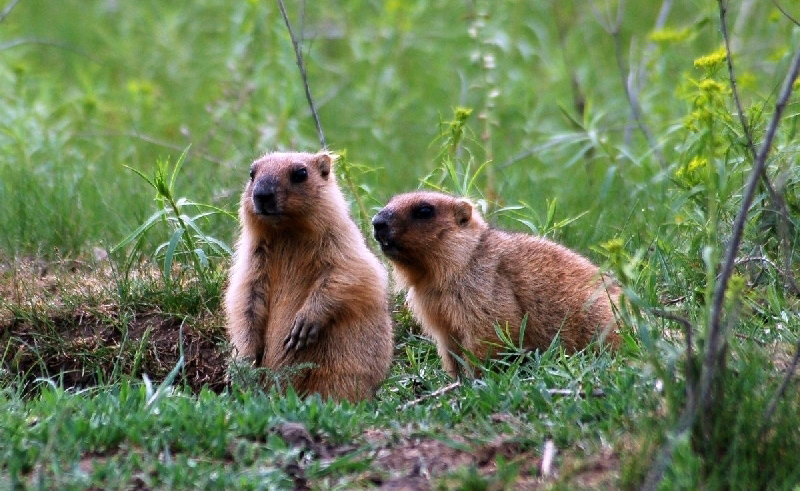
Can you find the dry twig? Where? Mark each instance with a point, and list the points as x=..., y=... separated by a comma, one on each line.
x=301, y=65
x=578, y=393
x=786, y=14
x=435, y=393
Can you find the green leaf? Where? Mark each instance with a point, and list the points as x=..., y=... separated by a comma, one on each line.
x=155, y=396
x=551, y=213
x=477, y=173
x=202, y=256
x=150, y=182
x=141, y=229
x=173, y=244
x=177, y=168
x=218, y=245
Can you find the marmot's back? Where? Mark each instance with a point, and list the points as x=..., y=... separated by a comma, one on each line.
x=463, y=277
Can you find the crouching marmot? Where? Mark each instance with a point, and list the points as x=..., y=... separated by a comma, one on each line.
x=464, y=277
x=304, y=287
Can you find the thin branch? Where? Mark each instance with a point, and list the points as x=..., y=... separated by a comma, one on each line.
x=787, y=275
x=299, y=55
x=675, y=300
x=577, y=393
x=632, y=96
x=750, y=338
x=435, y=393
x=777, y=200
x=8, y=9
x=662, y=14
x=743, y=16
x=633, y=99
x=747, y=200
x=673, y=317
x=723, y=10
x=786, y=14
x=715, y=325
x=656, y=472
x=661, y=20
x=638, y=75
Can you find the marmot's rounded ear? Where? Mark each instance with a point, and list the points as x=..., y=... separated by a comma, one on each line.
x=463, y=212
x=324, y=162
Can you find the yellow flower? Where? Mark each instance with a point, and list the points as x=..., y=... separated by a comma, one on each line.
x=613, y=246
x=669, y=35
x=711, y=61
x=692, y=120
x=710, y=85
x=690, y=173
x=695, y=164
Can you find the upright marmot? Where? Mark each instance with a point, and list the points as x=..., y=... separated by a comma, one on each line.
x=464, y=278
x=304, y=287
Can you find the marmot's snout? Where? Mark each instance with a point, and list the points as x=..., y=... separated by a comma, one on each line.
x=380, y=223
x=265, y=201
x=383, y=232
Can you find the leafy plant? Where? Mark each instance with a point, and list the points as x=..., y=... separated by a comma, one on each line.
x=187, y=239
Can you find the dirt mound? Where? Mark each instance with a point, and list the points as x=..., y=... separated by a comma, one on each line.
x=84, y=350
x=69, y=326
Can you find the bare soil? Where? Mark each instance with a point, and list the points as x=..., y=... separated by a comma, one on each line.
x=64, y=321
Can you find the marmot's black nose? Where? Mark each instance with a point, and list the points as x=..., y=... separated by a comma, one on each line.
x=379, y=222
x=264, y=200
x=380, y=225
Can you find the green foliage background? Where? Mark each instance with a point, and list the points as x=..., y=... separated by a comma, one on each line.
x=93, y=88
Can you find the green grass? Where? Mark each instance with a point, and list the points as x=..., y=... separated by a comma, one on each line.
x=184, y=440
x=91, y=90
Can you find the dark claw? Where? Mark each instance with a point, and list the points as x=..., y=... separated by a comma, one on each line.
x=301, y=335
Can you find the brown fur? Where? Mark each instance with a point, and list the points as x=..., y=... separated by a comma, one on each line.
x=464, y=277
x=303, y=286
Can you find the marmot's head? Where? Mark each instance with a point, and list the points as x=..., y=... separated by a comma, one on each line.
x=426, y=233
x=288, y=187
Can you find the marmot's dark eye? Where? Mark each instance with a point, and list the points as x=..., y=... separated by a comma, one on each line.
x=252, y=174
x=422, y=212
x=299, y=175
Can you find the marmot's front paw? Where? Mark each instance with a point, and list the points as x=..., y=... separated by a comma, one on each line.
x=304, y=333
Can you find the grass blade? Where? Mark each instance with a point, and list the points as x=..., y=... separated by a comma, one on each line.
x=173, y=244
x=140, y=230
